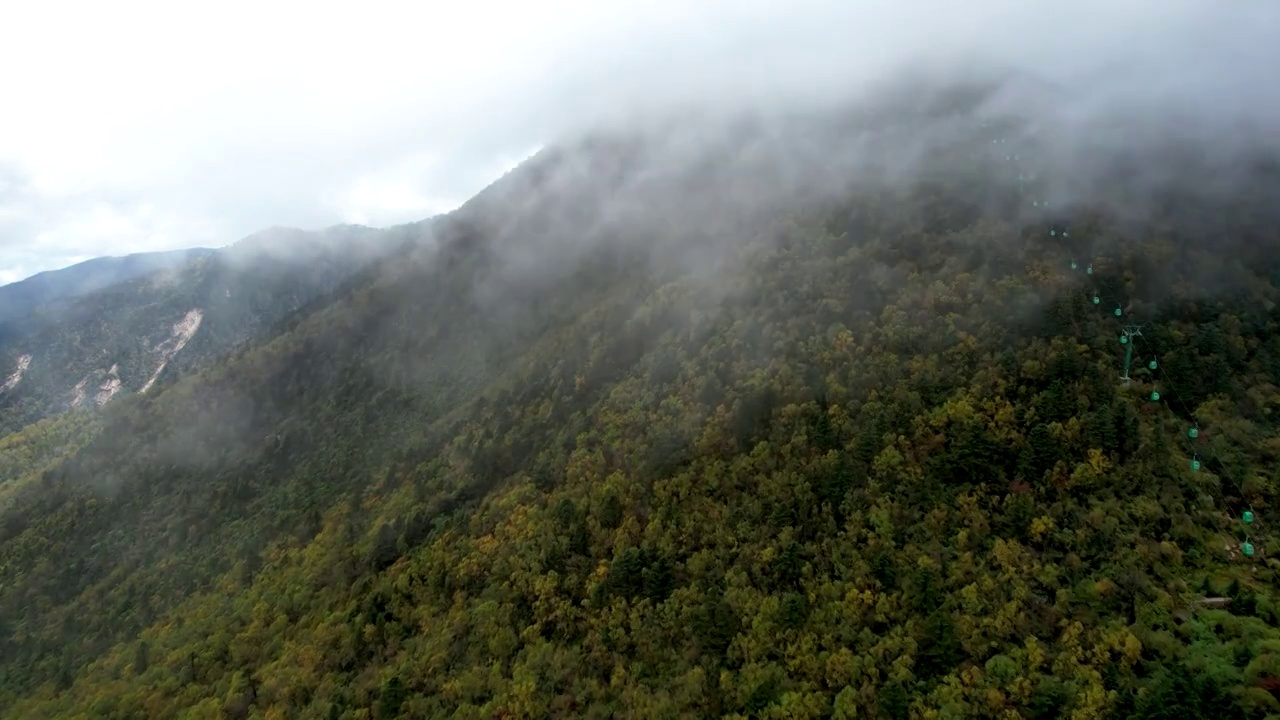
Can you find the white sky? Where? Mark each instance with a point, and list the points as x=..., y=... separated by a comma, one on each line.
x=144, y=125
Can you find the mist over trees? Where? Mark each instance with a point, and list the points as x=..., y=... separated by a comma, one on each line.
x=794, y=406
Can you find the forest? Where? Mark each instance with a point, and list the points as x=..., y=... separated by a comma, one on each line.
x=876, y=461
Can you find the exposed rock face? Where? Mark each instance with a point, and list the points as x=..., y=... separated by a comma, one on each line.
x=24, y=362
x=183, y=331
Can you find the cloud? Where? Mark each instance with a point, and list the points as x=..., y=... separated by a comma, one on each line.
x=148, y=125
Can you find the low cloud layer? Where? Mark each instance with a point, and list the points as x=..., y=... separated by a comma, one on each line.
x=147, y=127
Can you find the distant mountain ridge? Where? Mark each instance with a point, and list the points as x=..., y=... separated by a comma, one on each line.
x=78, y=337
x=20, y=298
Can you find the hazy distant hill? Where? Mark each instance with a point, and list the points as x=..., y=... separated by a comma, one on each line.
x=20, y=299
x=80, y=348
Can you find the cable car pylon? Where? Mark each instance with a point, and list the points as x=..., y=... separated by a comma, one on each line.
x=1130, y=332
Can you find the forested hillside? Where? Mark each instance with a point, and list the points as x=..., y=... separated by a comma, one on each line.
x=751, y=422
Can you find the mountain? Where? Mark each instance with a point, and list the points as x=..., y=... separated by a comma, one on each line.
x=18, y=300
x=85, y=348
x=810, y=416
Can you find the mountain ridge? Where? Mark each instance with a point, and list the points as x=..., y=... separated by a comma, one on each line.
x=21, y=299
x=126, y=335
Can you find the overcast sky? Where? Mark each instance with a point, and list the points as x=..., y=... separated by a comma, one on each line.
x=145, y=125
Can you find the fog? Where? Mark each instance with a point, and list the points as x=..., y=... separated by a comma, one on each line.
x=761, y=108
x=295, y=115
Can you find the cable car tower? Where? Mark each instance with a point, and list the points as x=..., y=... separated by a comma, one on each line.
x=1130, y=332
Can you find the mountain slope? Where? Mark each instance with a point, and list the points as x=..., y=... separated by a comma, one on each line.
x=18, y=300
x=627, y=437
x=129, y=336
